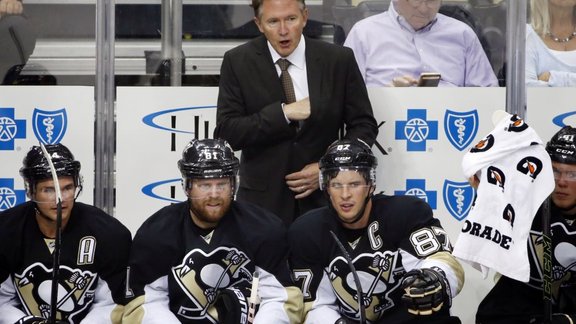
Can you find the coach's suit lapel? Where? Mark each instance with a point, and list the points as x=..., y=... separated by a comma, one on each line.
x=266, y=69
x=314, y=69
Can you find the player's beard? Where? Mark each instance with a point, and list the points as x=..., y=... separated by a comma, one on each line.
x=207, y=212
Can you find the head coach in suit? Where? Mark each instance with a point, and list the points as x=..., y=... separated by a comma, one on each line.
x=283, y=126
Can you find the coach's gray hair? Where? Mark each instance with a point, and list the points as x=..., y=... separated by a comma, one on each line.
x=256, y=4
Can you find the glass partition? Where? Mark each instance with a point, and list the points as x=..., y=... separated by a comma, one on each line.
x=60, y=36
x=53, y=42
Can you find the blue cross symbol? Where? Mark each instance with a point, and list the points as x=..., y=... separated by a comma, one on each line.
x=416, y=130
x=417, y=188
x=10, y=129
x=9, y=197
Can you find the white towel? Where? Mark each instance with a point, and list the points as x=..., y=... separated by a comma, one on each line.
x=515, y=175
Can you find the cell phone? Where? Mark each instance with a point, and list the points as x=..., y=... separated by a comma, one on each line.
x=429, y=80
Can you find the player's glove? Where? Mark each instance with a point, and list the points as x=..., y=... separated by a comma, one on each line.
x=232, y=305
x=31, y=319
x=426, y=291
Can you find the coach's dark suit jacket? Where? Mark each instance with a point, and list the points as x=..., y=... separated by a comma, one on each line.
x=250, y=118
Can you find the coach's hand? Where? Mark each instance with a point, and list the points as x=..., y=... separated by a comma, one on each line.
x=426, y=291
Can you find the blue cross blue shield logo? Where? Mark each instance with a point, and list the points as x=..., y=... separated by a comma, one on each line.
x=416, y=130
x=417, y=188
x=49, y=126
x=458, y=198
x=10, y=197
x=461, y=127
x=10, y=129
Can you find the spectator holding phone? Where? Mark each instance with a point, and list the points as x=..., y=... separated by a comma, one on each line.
x=393, y=48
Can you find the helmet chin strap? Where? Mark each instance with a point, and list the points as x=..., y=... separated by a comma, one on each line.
x=360, y=213
x=39, y=213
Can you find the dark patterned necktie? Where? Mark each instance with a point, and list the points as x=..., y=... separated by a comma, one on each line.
x=286, y=81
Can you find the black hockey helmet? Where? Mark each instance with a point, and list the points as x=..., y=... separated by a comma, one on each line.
x=208, y=159
x=347, y=154
x=35, y=166
x=562, y=146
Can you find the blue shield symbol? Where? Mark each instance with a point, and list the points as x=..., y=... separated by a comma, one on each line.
x=461, y=127
x=458, y=198
x=49, y=126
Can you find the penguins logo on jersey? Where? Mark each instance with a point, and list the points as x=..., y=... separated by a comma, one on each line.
x=564, y=257
x=484, y=145
x=496, y=177
x=379, y=277
x=531, y=166
x=201, y=275
x=75, y=291
x=517, y=124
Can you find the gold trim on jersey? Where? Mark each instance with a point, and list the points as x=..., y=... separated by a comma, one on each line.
x=447, y=258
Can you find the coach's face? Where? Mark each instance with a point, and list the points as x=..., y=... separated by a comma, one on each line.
x=282, y=22
x=564, y=195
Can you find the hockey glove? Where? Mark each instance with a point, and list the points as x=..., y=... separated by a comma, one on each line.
x=232, y=305
x=426, y=291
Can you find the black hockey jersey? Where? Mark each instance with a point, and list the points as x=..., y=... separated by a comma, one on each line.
x=93, y=260
x=401, y=235
x=512, y=301
x=178, y=268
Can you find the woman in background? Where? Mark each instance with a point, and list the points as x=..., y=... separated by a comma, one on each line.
x=551, y=44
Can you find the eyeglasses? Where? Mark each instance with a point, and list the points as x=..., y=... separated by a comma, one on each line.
x=429, y=3
x=352, y=186
x=48, y=194
x=567, y=175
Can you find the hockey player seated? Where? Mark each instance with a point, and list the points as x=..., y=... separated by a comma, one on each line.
x=210, y=259
x=93, y=250
x=369, y=258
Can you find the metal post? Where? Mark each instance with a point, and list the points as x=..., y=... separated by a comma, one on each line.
x=515, y=58
x=104, y=93
x=172, y=39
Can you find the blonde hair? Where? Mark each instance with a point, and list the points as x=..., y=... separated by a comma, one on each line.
x=540, y=16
